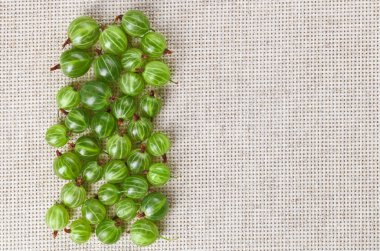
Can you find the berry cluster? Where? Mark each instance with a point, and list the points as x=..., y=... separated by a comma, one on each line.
x=111, y=119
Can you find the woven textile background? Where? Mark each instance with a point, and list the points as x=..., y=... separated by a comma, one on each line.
x=275, y=122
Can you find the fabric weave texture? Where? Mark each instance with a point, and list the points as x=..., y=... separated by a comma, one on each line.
x=274, y=122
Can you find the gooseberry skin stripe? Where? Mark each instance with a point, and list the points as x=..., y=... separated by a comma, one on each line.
x=132, y=59
x=134, y=187
x=118, y=146
x=67, y=98
x=140, y=130
x=80, y=231
x=87, y=147
x=57, y=217
x=153, y=44
x=113, y=40
x=138, y=161
x=73, y=195
x=158, y=144
x=67, y=166
x=93, y=210
x=158, y=174
x=115, y=171
x=150, y=106
x=156, y=74
x=155, y=206
x=135, y=23
x=131, y=84
x=144, y=232
x=75, y=63
x=103, y=124
x=108, y=194
x=83, y=32
x=126, y=209
x=124, y=107
x=77, y=120
x=92, y=172
x=107, y=68
x=107, y=231
x=95, y=95
x=56, y=135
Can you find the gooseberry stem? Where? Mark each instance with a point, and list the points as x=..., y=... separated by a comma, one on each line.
x=140, y=215
x=167, y=52
x=98, y=51
x=71, y=146
x=151, y=93
x=58, y=153
x=136, y=117
x=144, y=56
x=68, y=41
x=120, y=122
x=101, y=162
x=79, y=181
x=113, y=98
x=142, y=148
x=63, y=111
x=164, y=158
x=118, y=222
x=67, y=230
x=55, y=67
x=139, y=70
x=55, y=233
x=118, y=18
x=171, y=81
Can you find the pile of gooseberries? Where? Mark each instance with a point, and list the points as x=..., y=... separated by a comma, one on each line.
x=105, y=130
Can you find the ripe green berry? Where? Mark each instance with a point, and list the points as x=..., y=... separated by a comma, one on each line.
x=156, y=73
x=118, y=146
x=77, y=120
x=56, y=135
x=150, y=105
x=155, y=206
x=113, y=40
x=135, y=23
x=109, y=231
x=83, y=32
x=67, y=166
x=107, y=68
x=95, y=95
x=87, y=147
x=140, y=128
x=73, y=194
x=80, y=231
x=67, y=98
x=57, y=217
x=126, y=209
x=144, y=232
x=154, y=44
x=115, y=171
x=134, y=187
x=158, y=144
x=75, y=63
x=92, y=172
x=158, y=174
x=108, y=194
x=103, y=124
x=131, y=84
x=94, y=211
x=123, y=108
x=132, y=59
x=138, y=160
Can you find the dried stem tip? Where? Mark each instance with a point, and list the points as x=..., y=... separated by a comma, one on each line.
x=164, y=158
x=68, y=41
x=118, y=18
x=58, y=153
x=55, y=233
x=63, y=111
x=67, y=230
x=79, y=181
x=167, y=52
x=142, y=148
x=136, y=117
x=151, y=93
x=55, y=67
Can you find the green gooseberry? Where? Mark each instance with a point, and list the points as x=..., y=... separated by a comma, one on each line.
x=56, y=135
x=140, y=128
x=103, y=124
x=135, y=23
x=95, y=95
x=115, y=171
x=135, y=187
x=123, y=108
x=139, y=160
x=158, y=174
x=83, y=32
x=158, y=144
x=87, y=147
x=118, y=146
x=80, y=231
x=94, y=211
x=113, y=40
x=67, y=98
x=154, y=44
x=150, y=105
x=126, y=209
x=77, y=120
x=67, y=166
x=144, y=232
x=156, y=74
x=108, y=194
x=131, y=84
x=57, y=217
x=109, y=231
x=73, y=194
x=92, y=172
x=155, y=206
x=74, y=63
x=107, y=68
x=132, y=59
